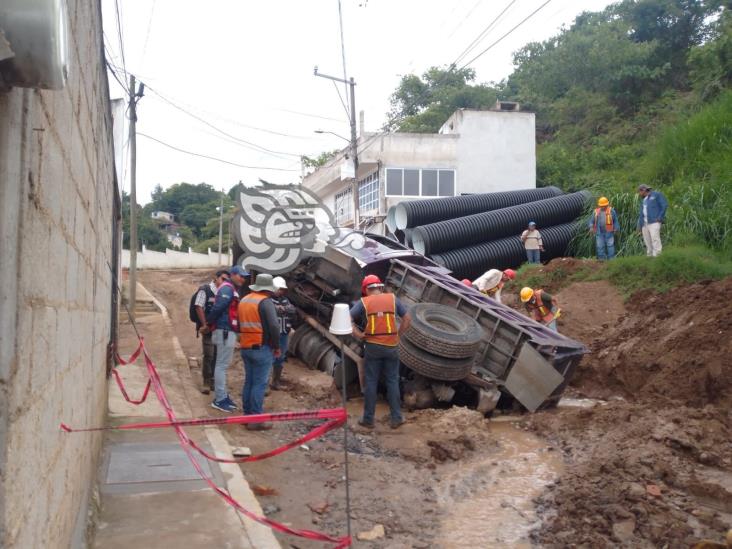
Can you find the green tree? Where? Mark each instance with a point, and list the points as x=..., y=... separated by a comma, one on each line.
x=196, y=216
x=177, y=197
x=422, y=105
x=320, y=160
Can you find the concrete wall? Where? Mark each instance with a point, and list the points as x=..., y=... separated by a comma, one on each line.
x=57, y=196
x=496, y=150
x=172, y=259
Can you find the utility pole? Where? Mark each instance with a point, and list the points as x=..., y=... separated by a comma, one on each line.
x=353, y=148
x=134, y=96
x=221, y=223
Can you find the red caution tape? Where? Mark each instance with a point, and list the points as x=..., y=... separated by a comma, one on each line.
x=336, y=418
x=119, y=381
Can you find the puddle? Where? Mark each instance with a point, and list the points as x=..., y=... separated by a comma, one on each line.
x=568, y=402
x=488, y=502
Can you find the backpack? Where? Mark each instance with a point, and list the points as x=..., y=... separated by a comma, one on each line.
x=192, y=306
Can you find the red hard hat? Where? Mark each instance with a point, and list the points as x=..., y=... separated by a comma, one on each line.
x=510, y=273
x=369, y=281
x=467, y=282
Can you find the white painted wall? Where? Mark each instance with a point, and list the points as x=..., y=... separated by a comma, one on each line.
x=496, y=150
x=173, y=259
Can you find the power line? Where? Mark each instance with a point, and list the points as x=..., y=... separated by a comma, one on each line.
x=119, y=35
x=149, y=25
x=213, y=157
x=343, y=56
x=505, y=35
x=460, y=24
x=482, y=35
x=254, y=146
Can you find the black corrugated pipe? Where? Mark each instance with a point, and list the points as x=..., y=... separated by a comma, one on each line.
x=408, y=237
x=484, y=227
x=421, y=212
x=473, y=261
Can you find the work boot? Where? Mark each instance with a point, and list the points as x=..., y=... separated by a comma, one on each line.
x=275, y=385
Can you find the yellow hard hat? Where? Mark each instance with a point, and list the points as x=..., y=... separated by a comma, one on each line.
x=603, y=201
x=526, y=294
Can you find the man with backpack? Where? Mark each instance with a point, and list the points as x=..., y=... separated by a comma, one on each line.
x=224, y=319
x=201, y=304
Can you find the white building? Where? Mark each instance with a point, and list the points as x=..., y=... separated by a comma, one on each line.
x=163, y=216
x=474, y=152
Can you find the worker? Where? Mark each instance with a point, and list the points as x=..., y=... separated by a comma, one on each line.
x=533, y=244
x=374, y=320
x=492, y=281
x=652, y=214
x=603, y=223
x=259, y=343
x=541, y=306
x=286, y=314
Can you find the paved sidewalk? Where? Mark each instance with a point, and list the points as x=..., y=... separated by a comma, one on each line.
x=150, y=495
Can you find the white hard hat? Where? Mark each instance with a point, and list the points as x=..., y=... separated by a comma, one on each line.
x=279, y=283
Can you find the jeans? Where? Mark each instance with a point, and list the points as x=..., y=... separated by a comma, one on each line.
x=257, y=365
x=605, y=244
x=381, y=359
x=533, y=256
x=279, y=361
x=652, y=238
x=224, y=352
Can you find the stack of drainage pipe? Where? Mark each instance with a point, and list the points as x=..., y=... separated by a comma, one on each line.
x=407, y=215
x=473, y=233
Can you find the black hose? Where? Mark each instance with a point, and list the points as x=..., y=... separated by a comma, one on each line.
x=421, y=212
x=488, y=226
x=473, y=261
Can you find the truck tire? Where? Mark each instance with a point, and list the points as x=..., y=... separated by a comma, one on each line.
x=433, y=366
x=444, y=331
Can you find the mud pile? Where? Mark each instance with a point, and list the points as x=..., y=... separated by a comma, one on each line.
x=653, y=465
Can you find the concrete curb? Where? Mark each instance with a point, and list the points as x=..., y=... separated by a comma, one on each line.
x=259, y=535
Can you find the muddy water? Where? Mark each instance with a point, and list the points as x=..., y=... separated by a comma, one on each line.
x=487, y=502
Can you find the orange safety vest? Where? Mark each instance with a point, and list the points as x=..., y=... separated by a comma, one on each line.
x=608, y=219
x=541, y=312
x=250, y=323
x=381, y=327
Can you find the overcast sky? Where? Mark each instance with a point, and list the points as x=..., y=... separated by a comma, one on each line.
x=246, y=67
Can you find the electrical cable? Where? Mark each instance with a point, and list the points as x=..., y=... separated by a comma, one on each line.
x=119, y=35
x=482, y=35
x=213, y=157
x=537, y=10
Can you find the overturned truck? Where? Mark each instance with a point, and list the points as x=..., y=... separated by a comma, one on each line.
x=463, y=346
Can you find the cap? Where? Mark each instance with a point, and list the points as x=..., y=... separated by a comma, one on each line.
x=532, y=223
x=221, y=272
x=644, y=187
x=279, y=283
x=237, y=270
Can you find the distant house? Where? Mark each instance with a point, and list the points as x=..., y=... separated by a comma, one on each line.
x=474, y=152
x=163, y=216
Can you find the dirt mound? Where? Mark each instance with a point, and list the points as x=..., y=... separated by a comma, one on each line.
x=671, y=347
x=639, y=476
x=653, y=466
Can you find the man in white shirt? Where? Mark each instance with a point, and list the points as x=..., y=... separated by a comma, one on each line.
x=491, y=282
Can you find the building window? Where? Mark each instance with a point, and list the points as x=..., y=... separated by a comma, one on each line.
x=420, y=182
x=344, y=207
x=368, y=193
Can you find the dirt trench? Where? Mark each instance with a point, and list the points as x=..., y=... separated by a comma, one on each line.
x=641, y=458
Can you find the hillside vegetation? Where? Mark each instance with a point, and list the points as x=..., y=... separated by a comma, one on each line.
x=638, y=93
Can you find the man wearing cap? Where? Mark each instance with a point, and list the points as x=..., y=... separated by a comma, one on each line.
x=223, y=318
x=533, y=244
x=603, y=223
x=652, y=214
x=376, y=313
x=260, y=344
x=492, y=281
x=203, y=303
x=286, y=314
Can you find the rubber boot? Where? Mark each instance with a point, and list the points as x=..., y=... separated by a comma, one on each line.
x=276, y=375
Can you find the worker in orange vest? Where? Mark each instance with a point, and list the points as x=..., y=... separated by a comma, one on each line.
x=604, y=224
x=541, y=306
x=375, y=322
x=259, y=343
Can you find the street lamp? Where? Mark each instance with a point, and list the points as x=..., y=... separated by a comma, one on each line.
x=333, y=133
